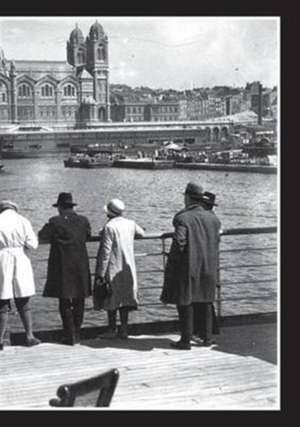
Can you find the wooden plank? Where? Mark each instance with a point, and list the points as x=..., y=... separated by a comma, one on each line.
x=155, y=377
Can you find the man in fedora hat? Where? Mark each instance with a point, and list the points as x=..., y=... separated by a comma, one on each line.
x=116, y=266
x=191, y=269
x=16, y=275
x=68, y=276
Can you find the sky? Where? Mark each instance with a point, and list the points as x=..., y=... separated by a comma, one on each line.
x=160, y=52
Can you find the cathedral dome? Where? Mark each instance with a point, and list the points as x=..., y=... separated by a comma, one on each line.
x=76, y=35
x=96, y=31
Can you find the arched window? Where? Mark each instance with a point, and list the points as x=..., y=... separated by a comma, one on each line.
x=80, y=57
x=3, y=93
x=24, y=91
x=69, y=91
x=100, y=53
x=47, y=91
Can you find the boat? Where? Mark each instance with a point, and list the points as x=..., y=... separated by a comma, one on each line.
x=92, y=156
x=1, y=167
x=32, y=151
x=88, y=162
x=144, y=163
x=228, y=167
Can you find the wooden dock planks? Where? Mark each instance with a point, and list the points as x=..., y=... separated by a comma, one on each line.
x=152, y=375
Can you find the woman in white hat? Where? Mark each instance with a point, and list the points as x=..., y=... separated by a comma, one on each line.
x=116, y=266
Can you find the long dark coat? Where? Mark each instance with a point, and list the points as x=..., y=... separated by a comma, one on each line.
x=68, y=264
x=191, y=269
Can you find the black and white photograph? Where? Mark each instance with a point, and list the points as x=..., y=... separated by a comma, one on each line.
x=140, y=213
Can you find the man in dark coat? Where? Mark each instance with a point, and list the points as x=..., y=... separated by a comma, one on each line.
x=191, y=271
x=68, y=277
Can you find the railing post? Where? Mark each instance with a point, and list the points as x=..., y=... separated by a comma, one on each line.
x=164, y=253
x=218, y=284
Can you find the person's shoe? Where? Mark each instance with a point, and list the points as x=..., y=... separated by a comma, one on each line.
x=77, y=338
x=208, y=343
x=123, y=333
x=109, y=335
x=181, y=345
x=196, y=340
x=68, y=340
x=30, y=342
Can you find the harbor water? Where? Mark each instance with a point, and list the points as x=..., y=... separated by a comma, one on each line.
x=152, y=198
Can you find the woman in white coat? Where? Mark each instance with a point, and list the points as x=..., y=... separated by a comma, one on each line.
x=115, y=266
x=16, y=275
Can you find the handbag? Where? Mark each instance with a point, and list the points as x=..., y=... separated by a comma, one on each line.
x=102, y=289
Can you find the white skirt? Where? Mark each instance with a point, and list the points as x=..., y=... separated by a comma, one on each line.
x=16, y=274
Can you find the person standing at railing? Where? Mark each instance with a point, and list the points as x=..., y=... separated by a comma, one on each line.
x=16, y=275
x=116, y=269
x=191, y=270
x=68, y=276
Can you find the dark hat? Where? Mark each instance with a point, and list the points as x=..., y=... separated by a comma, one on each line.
x=194, y=190
x=209, y=198
x=64, y=200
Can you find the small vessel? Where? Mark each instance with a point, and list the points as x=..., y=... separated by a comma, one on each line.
x=88, y=162
x=1, y=167
x=32, y=151
x=144, y=163
x=227, y=167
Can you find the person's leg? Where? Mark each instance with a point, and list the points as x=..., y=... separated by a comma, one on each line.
x=4, y=309
x=112, y=320
x=66, y=314
x=123, y=332
x=23, y=307
x=198, y=322
x=185, y=313
x=208, y=323
x=112, y=325
x=78, y=312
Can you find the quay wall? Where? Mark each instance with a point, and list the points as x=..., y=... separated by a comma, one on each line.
x=59, y=140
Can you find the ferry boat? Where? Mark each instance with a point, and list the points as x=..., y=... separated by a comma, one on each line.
x=87, y=162
x=92, y=156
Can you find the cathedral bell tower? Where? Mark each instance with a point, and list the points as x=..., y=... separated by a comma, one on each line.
x=90, y=58
x=76, y=50
x=97, y=66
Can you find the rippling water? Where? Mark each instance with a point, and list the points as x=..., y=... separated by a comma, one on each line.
x=152, y=198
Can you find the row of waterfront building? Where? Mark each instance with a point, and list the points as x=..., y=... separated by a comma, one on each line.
x=77, y=92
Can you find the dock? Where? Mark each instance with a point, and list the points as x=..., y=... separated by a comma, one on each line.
x=239, y=373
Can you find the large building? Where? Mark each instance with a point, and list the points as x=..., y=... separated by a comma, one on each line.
x=59, y=93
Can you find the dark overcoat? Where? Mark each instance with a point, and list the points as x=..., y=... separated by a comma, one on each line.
x=68, y=273
x=191, y=269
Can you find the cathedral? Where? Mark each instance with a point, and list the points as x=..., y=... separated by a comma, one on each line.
x=59, y=94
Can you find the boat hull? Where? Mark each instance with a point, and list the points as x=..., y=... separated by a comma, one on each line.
x=19, y=154
x=143, y=164
x=228, y=167
x=86, y=164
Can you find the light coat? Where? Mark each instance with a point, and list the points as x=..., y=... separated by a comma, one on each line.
x=116, y=263
x=16, y=238
x=191, y=269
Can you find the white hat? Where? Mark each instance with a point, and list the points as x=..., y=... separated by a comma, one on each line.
x=7, y=204
x=115, y=207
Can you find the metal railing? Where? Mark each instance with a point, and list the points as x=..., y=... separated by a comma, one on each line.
x=165, y=240
x=221, y=283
